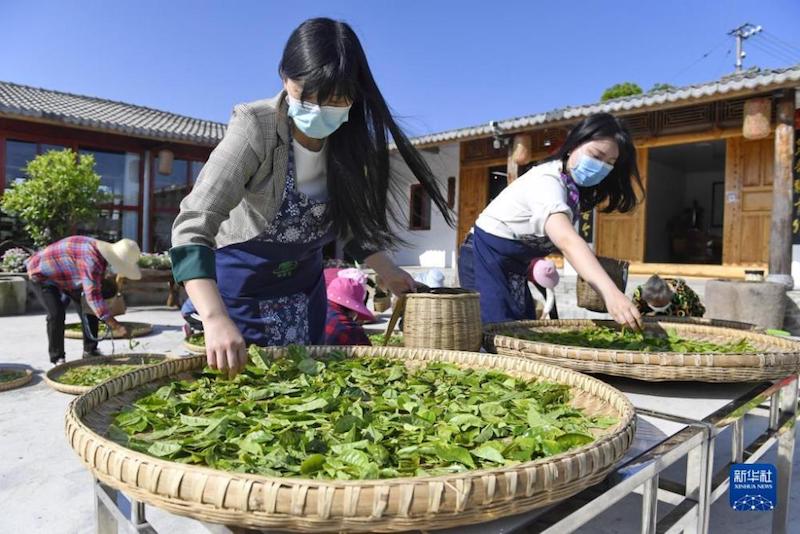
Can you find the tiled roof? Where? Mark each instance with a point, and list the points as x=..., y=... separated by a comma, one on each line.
x=746, y=81
x=21, y=101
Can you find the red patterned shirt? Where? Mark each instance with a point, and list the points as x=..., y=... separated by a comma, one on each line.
x=73, y=264
x=341, y=330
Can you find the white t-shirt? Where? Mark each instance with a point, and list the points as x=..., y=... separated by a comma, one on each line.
x=521, y=210
x=310, y=171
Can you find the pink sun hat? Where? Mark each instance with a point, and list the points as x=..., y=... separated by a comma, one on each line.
x=350, y=294
x=330, y=274
x=354, y=273
x=543, y=272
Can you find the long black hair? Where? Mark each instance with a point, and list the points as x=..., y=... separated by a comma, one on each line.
x=618, y=186
x=327, y=58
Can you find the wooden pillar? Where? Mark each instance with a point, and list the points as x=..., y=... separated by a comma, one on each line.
x=780, y=243
x=519, y=153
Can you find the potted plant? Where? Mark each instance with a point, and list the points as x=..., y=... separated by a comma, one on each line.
x=13, y=283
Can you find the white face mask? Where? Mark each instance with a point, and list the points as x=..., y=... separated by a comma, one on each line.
x=660, y=309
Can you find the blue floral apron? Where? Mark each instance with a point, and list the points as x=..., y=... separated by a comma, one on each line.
x=272, y=285
x=497, y=268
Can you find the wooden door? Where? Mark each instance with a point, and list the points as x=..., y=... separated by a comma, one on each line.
x=621, y=235
x=748, y=201
x=473, y=190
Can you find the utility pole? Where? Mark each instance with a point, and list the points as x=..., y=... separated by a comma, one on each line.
x=741, y=33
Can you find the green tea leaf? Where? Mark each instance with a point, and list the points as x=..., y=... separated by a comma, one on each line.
x=312, y=464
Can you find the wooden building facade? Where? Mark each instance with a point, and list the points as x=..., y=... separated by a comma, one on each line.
x=708, y=191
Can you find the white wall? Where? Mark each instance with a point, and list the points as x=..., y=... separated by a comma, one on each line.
x=438, y=245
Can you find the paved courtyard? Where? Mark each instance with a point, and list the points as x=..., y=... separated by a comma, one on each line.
x=45, y=489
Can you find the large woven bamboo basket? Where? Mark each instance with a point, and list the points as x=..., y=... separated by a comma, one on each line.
x=136, y=330
x=51, y=377
x=23, y=379
x=444, y=318
x=387, y=505
x=775, y=356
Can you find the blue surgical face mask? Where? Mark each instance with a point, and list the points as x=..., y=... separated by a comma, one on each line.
x=317, y=122
x=590, y=171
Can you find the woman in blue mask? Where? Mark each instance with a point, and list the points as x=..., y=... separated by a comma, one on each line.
x=292, y=174
x=536, y=214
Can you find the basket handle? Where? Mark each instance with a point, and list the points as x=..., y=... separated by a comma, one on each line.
x=398, y=310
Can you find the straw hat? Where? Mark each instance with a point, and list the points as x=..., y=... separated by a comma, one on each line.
x=122, y=256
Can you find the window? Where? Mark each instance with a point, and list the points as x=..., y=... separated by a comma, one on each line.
x=18, y=154
x=451, y=192
x=420, y=208
x=197, y=166
x=119, y=175
x=168, y=191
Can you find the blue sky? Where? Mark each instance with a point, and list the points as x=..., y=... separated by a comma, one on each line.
x=440, y=64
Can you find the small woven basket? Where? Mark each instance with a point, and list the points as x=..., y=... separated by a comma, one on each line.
x=52, y=376
x=439, y=318
x=590, y=299
x=25, y=377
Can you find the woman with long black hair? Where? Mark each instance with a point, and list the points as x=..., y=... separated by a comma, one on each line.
x=291, y=174
x=536, y=214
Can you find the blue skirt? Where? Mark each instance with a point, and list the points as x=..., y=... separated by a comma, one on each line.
x=498, y=269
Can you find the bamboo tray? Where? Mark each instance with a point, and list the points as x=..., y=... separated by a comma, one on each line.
x=387, y=505
x=776, y=356
x=194, y=348
x=17, y=382
x=137, y=330
x=52, y=376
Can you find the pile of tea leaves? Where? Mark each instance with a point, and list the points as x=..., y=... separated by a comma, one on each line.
x=395, y=340
x=602, y=337
x=197, y=339
x=91, y=375
x=8, y=376
x=336, y=417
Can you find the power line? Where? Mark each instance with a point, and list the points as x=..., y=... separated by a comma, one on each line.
x=780, y=42
x=775, y=52
x=698, y=60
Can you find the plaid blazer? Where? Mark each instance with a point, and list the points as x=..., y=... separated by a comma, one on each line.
x=241, y=185
x=239, y=190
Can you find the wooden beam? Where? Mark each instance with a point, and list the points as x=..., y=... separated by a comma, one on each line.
x=681, y=139
x=780, y=242
x=692, y=270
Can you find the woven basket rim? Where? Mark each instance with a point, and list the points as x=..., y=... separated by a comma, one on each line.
x=756, y=360
x=627, y=417
x=196, y=349
x=138, y=329
x=52, y=375
x=467, y=294
x=258, y=501
x=27, y=376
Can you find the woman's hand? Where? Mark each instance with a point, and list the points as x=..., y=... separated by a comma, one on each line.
x=622, y=310
x=563, y=235
x=393, y=277
x=225, y=346
x=398, y=281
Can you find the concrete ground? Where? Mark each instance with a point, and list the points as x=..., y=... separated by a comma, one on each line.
x=45, y=489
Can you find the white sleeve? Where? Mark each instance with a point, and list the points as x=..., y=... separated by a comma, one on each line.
x=549, y=197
